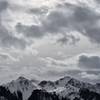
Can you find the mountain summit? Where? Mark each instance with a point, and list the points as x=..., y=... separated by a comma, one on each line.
x=65, y=88
x=23, y=85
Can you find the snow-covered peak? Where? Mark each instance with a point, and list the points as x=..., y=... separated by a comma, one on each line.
x=47, y=85
x=77, y=83
x=62, y=81
x=23, y=85
x=21, y=78
x=66, y=86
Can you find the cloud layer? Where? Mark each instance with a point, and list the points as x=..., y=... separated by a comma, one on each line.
x=66, y=18
x=50, y=37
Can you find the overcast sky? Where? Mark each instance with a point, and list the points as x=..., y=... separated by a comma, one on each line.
x=48, y=39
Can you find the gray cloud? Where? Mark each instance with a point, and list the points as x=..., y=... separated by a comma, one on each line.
x=38, y=11
x=63, y=40
x=97, y=1
x=54, y=74
x=56, y=21
x=8, y=40
x=64, y=73
x=68, y=39
x=65, y=19
x=3, y=5
x=60, y=21
x=4, y=56
x=30, y=31
x=86, y=21
x=82, y=19
x=88, y=76
x=92, y=62
x=93, y=33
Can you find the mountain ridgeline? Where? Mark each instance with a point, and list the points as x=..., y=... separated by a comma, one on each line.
x=66, y=88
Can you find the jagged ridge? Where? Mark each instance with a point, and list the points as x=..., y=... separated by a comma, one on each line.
x=66, y=88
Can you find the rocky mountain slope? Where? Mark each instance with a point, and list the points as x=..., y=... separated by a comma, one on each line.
x=65, y=88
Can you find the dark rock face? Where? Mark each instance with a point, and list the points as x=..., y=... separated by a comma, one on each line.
x=2, y=98
x=43, y=83
x=5, y=94
x=43, y=95
x=85, y=94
